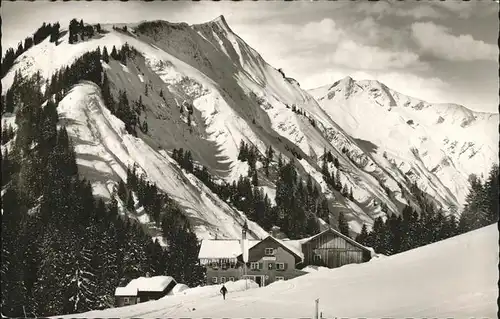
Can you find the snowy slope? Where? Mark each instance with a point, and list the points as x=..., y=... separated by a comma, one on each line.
x=237, y=96
x=104, y=150
x=252, y=108
x=455, y=278
x=436, y=145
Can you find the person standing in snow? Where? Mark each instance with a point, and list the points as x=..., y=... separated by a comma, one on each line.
x=223, y=291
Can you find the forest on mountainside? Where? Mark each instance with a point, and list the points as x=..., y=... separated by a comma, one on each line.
x=411, y=229
x=64, y=250
x=298, y=203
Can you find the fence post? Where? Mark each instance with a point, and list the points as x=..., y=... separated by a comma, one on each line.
x=317, y=309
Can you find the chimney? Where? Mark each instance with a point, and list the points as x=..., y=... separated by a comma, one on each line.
x=275, y=231
x=244, y=231
x=244, y=242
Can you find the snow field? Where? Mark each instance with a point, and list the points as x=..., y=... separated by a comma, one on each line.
x=454, y=278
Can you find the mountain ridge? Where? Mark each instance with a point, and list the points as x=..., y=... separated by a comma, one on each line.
x=327, y=87
x=235, y=95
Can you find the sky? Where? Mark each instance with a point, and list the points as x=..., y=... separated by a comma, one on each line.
x=439, y=51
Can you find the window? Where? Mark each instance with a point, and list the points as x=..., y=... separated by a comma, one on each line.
x=224, y=266
x=214, y=280
x=254, y=266
x=280, y=266
x=280, y=278
x=269, y=251
x=222, y=280
x=317, y=257
x=231, y=278
x=270, y=266
x=126, y=301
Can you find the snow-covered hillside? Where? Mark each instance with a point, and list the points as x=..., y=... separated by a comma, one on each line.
x=436, y=145
x=104, y=151
x=455, y=278
x=205, y=90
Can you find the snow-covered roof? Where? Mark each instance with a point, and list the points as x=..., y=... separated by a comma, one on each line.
x=151, y=284
x=348, y=239
x=125, y=291
x=222, y=248
x=231, y=248
x=293, y=245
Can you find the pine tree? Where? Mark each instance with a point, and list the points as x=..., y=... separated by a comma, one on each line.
x=114, y=53
x=362, y=238
x=255, y=180
x=122, y=191
x=475, y=209
x=130, y=203
x=105, y=55
x=338, y=184
x=324, y=171
x=309, y=185
x=54, y=34
x=243, y=153
x=14, y=292
x=492, y=195
x=343, y=225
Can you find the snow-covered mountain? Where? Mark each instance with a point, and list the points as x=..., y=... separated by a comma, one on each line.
x=435, y=145
x=236, y=96
x=442, y=280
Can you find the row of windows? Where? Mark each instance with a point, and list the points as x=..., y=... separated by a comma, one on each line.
x=222, y=280
x=222, y=265
x=127, y=301
x=253, y=266
x=257, y=266
x=269, y=251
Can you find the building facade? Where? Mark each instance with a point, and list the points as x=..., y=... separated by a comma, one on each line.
x=333, y=249
x=143, y=289
x=269, y=260
x=273, y=259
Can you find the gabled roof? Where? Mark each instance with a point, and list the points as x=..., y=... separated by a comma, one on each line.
x=231, y=248
x=222, y=248
x=337, y=233
x=144, y=284
x=125, y=292
x=283, y=243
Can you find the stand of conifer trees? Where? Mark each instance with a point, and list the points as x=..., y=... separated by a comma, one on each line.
x=298, y=204
x=64, y=251
x=411, y=229
x=40, y=34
